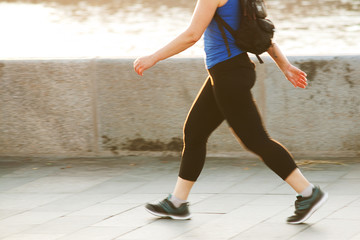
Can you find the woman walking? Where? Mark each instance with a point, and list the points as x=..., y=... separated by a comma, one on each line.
x=226, y=95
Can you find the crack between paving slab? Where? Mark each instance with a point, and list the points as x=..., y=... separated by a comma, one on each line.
x=257, y=223
x=121, y=212
x=212, y=213
x=135, y=229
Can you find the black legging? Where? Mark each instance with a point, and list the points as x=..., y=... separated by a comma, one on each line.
x=226, y=96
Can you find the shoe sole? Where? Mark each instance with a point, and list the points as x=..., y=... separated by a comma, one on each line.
x=316, y=207
x=168, y=215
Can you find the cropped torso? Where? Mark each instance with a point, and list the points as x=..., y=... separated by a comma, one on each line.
x=215, y=48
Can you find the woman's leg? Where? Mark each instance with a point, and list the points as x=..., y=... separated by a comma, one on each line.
x=297, y=181
x=232, y=84
x=203, y=118
x=182, y=188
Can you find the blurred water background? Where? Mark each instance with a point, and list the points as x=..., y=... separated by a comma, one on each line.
x=128, y=28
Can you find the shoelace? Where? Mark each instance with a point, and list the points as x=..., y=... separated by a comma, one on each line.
x=165, y=206
x=301, y=205
x=168, y=207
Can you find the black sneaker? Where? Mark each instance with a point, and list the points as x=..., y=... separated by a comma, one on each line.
x=306, y=206
x=165, y=209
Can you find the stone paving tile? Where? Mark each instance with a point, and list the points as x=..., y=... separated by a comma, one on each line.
x=352, y=175
x=5, y=213
x=75, y=202
x=80, y=171
x=351, y=213
x=155, y=187
x=281, y=216
x=113, y=187
x=198, y=197
x=330, y=229
x=234, y=174
x=33, y=237
x=64, y=225
x=344, y=186
x=26, y=201
x=252, y=188
x=32, y=171
x=262, y=174
x=222, y=203
x=9, y=166
x=266, y=230
x=324, y=176
x=141, y=174
x=6, y=231
x=133, y=218
x=132, y=177
x=52, y=184
x=104, y=199
x=283, y=189
x=105, y=210
x=355, y=203
x=229, y=225
x=211, y=187
x=273, y=200
x=216, y=230
x=7, y=183
x=95, y=233
x=31, y=217
x=356, y=237
x=167, y=229
x=134, y=198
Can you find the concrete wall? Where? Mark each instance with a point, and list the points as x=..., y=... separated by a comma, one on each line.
x=100, y=107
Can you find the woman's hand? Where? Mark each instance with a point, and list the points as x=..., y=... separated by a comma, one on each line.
x=292, y=73
x=295, y=76
x=143, y=63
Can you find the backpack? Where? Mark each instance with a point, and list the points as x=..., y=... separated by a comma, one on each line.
x=255, y=32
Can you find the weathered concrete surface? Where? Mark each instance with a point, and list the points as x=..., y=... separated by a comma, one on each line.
x=100, y=107
x=46, y=107
x=325, y=116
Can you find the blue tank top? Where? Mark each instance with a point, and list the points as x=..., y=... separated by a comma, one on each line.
x=215, y=48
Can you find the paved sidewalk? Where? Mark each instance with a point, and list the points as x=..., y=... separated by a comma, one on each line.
x=103, y=198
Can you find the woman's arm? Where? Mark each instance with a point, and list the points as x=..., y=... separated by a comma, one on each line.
x=292, y=73
x=204, y=12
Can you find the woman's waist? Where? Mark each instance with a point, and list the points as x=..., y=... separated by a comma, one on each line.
x=234, y=61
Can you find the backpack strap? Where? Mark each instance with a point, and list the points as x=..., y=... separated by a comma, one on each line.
x=243, y=4
x=219, y=19
x=259, y=58
x=220, y=22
